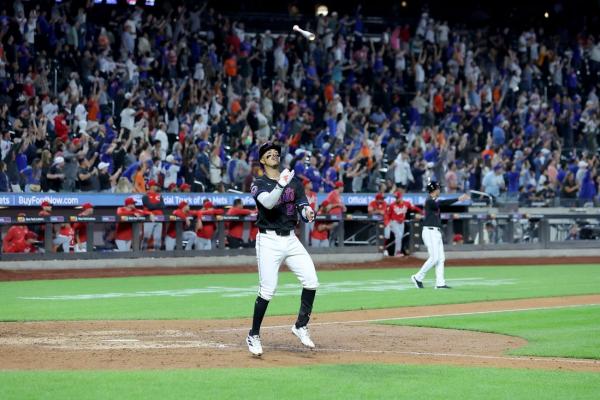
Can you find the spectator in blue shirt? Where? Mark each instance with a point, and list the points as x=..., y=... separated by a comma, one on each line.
x=312, y=173
x=499, y=133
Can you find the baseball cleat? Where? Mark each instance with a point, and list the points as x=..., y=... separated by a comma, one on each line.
x=303, y=335
x=254, y=344
x=443, y=287
x=418, y=284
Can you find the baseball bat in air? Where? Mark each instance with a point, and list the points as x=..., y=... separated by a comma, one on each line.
x=308, y=35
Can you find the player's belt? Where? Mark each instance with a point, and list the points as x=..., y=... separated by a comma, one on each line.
x=432, y=227
x=279, y=232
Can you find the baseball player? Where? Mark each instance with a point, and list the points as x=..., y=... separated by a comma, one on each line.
x=320, y=234
x=380, y=207
x=279, y=199
x=153, y=203
x=124, y=233
x=189, y=234
x=397, y=215
x=64, y=233
x=311, y=197
x=206, y=229
x=432, y=237
x=19, y=239
x=80, y=228
x=235, y=229
x=336, y=207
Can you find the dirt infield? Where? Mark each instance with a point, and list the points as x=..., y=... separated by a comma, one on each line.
x=342, y=337
x=388, y=262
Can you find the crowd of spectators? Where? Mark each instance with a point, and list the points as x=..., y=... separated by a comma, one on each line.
x=186, y=97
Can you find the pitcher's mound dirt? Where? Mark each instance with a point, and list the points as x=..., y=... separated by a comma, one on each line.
x=343, y=337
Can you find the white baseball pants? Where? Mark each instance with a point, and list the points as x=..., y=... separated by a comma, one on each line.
x=398, y=229
x=319, y=243
x=189, y=236
x=432, y=237
x=203, y=244
x=123, y=245
x=152, y=230
x=271, y=251
x=63, y=241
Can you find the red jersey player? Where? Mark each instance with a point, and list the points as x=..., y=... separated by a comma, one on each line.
x=153, y=203
x=235, y=230
x=80, y=228
x=124, y=233
x=19, y=239
x=189, y=233
x=397, y=216
x=205, y=234
x=320, y=233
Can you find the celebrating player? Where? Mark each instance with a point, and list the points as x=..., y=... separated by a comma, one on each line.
x=432, y=237
x=279, y=198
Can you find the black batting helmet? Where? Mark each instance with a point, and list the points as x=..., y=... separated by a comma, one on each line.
x=431, y=186
x=266, y=147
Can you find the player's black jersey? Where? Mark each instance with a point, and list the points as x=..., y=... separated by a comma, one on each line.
x=284, y=216
x=432, y=211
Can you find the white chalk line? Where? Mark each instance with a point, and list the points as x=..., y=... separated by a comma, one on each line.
x=365, y=321
x=428, y=354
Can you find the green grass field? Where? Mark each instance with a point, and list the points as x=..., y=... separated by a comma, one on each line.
x=562, y=332
x=566, y=332
x=315, y=382
x=232, y=295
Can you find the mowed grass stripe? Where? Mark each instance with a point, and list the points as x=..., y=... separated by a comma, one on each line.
x=313, y=382
x=561, y=332
x=231, y=295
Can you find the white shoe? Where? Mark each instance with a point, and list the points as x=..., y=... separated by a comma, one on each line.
x=254, y=344
x=303, y=335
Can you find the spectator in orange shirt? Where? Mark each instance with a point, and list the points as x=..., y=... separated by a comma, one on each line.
x=139, y=184
x=230, y=67
x=235, y=230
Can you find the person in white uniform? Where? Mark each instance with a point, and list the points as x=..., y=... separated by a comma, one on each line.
x=432, y=237
x=280, y=198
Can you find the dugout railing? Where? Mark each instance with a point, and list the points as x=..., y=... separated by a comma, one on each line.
x=512, y=231
x=365, y=236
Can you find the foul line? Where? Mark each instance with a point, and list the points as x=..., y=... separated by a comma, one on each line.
x=431, y=354
x=364, y=321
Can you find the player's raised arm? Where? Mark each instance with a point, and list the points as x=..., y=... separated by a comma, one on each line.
x=270, y=199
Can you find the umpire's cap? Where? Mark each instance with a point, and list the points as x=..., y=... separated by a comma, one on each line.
x=431, y=186
x=266, y=147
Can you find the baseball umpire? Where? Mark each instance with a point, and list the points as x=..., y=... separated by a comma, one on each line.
x=280, y=198
x=432, y=237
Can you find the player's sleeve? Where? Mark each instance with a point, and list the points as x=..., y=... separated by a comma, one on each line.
x=301, y=200
x=263, y=196
x=414, y=208
x=447, y=202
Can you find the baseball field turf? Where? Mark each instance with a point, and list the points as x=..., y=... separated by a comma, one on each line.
x=569, y=331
